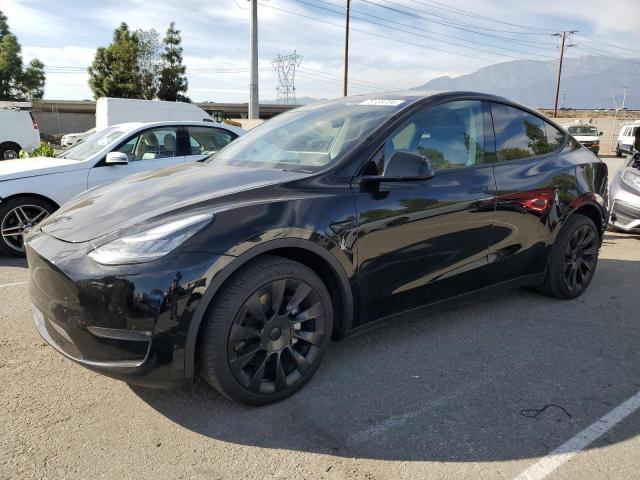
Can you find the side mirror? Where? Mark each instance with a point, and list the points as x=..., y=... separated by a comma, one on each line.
x=600, y=133
x=408, y=165
x=403, y=167
x=117, y=158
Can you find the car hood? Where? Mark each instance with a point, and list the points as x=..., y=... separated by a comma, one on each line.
x=34, y=166
x=587, y=138
x=144, y=197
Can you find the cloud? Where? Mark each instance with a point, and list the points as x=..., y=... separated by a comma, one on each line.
x=215, y=37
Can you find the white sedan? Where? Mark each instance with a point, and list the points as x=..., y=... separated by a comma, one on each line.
x=32, y=188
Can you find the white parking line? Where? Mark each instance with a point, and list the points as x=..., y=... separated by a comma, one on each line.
x=13, y=284
x=564, y=452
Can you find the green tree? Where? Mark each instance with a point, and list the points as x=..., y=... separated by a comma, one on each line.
x=115, y=71
x=173, y=79
x=17, y=82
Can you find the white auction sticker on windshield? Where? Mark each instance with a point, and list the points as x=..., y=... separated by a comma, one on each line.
x=385, y=102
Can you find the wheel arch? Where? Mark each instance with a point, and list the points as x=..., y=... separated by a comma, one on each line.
x=318, y=259
x=594, y=212
x=35, y=195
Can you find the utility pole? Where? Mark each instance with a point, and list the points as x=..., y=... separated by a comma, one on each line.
x=346, y=51
x=563, y=46
x=254, y=103
x=564, y=99
x=624, y=97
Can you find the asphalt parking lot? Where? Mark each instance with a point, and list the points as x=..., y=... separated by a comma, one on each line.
x=484, y=389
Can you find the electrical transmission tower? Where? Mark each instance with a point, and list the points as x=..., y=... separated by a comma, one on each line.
x=285, y=66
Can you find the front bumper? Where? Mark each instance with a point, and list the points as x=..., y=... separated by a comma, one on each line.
x=127, y=322
x=625, y=216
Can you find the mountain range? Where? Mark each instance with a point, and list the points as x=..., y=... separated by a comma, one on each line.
x=588, y=81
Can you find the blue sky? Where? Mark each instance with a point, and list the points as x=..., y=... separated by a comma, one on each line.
x=394, y=43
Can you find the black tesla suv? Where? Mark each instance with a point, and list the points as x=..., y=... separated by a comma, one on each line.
x=311, y=227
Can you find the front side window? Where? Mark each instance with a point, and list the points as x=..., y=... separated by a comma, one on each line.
x=151, y=144
x=520, y=134
x=207, y=141
x=450, y=135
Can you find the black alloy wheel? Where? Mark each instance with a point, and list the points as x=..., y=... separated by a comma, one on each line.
x=276, y=336
x=580, y=258
x=574, y=258
x=273, y=322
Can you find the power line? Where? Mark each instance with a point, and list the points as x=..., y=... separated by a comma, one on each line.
x=449, y=23
x=386, y=37
x=467, y=13
x=428, y=37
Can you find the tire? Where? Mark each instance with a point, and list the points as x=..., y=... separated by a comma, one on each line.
x=252, y=349
x=573, y=259
x=16, y=214
x=618, y=152
x=9, y=151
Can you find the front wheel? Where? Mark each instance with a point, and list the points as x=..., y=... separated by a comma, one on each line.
x=573, y=259
x=267, y=331
x=16, y=216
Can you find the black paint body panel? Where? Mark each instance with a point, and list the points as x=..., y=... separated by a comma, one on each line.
x=382, y=249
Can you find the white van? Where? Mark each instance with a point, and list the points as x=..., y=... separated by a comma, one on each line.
x=626, y=137
x=18, y=131
x=113, y=111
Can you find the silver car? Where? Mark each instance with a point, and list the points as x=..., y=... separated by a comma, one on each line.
x=624, y=196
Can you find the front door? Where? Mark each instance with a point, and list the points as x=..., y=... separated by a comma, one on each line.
x=148, y=150
x=422, y=241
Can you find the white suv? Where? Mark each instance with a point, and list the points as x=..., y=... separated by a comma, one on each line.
x=18, y=131
x=626, y=137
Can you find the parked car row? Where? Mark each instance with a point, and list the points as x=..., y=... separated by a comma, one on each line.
x=33, y=188
x=324, y=220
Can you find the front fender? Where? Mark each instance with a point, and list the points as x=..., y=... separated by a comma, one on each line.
x=245, y=252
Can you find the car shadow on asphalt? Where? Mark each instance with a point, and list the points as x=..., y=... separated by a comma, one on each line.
x=7, y=261
x=497, y=378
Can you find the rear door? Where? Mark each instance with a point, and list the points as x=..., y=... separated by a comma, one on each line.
x=536, y=182
x=202, y=142
x=150, y=149
x=424, y=240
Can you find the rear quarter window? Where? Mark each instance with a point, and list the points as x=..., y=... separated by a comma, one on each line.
x=520, y=134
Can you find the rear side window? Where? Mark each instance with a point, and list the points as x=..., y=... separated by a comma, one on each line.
x=519, y=134
x=206, y=141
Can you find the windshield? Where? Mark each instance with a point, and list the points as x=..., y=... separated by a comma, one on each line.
x=583, y=130
x=311, y=138
x=93, y=143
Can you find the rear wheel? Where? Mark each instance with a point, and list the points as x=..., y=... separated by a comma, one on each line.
x=9, y=151
x=618, y=152
x=16, y=216
x=267, y=331
x=574, y=259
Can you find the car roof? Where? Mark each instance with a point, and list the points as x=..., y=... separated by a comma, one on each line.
x=130, y=126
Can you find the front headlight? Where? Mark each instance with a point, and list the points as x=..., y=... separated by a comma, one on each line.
x=150, y=244
x=632, y=179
